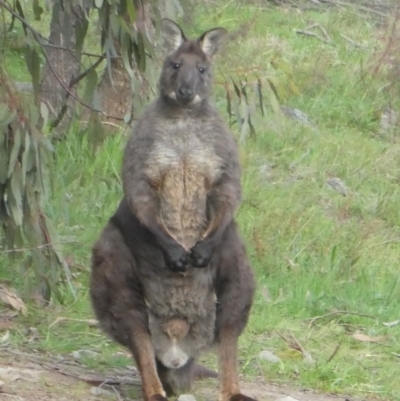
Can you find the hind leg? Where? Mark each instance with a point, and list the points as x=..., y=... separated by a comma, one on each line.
x=120, y=308
x=235, y=288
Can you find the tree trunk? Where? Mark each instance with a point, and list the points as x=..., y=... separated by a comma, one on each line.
x=62, y=65
x=116, y=96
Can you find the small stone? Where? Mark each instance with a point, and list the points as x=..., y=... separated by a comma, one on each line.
x=388, y=119
x=307, y=358
x=338, y=185
x=296, y=114
x=186, y=397
x=269, y=356
x=288, y=398
x=84, y=353
x=99, y=391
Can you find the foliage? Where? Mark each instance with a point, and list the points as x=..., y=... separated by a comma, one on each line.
x=25, y=163
x=25, y=168
x=326, y=262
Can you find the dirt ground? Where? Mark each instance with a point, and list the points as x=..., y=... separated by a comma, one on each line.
x=33, y=377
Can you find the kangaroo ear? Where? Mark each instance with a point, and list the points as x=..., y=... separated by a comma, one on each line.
x=211, y=40
x=172, y=34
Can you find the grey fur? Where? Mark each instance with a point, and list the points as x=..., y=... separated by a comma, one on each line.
x=170, y=266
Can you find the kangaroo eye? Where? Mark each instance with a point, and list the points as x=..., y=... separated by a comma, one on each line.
x=175, y=66
x=201, y=70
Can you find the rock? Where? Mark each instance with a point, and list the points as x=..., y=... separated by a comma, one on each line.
x=389, y=119
x=338, y=185
x=269, y=356
x=99, y=391
x=307, y=358
x=186, y=397
x=288, y=398
x=10, y=374
x=84, y=353
x=266, y=171
x=296, y=114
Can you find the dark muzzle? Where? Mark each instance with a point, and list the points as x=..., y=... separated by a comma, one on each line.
x=185, y=94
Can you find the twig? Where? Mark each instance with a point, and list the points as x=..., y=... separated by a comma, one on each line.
x=322, y=29
x=338, y=312
x=101, y=56
x=93, y=380
x=116, y=392
x=5, y=30
x=309, y=33
x=89, y=380
x=37, y=247
x=335, y=351
x=90, y=322
x=74, y=81
x=37, y=37
x=360, y=7
x=352, y=42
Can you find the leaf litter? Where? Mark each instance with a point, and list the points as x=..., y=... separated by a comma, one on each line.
x=366, y=338
x=37, y=377
x=10, y=297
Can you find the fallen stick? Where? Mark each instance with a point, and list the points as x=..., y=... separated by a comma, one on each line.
x=309, y=33
x=338, y=312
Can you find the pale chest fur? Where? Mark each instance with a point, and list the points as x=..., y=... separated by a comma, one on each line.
x=183, y=165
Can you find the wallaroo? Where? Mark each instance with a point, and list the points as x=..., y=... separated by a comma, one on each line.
x=170, y=275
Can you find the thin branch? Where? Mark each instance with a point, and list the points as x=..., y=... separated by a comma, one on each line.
x=338, y=312
x=37, y=247
x=5, y=30
x=322, y=29
x=309, y=33
x=360, y=7
x=79, y=78
x=37, y=37
x=352, y=42
x=335, y=351
x=117, y=393
x=101, y=56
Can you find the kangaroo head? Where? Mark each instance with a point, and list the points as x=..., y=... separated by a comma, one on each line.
x=186, y=75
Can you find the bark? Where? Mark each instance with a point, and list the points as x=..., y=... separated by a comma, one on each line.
x=66, y=64
x=116, y=96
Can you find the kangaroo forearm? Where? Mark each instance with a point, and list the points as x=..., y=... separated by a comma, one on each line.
x=218, y=225
x=146, y=210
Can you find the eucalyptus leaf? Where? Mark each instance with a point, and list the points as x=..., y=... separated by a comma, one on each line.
x=131, y=11
x=14, y=152
x=33, y=63
x=21, y=13
x=3, y=164
x=7, y=118
x=44, y=112
x=27, y=146
x=273, y=98
x=37, y=10
x=16, y=185
x=91, y=83
x=81, y=28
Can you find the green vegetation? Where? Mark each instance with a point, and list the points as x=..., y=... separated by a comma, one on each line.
x=314, y=251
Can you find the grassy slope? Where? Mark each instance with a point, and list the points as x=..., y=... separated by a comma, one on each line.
x=314, y=251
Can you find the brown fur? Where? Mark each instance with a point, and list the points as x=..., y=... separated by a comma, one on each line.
x=170, y=275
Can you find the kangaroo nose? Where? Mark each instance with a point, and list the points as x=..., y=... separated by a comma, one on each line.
x=185, y=92
x=175, y=363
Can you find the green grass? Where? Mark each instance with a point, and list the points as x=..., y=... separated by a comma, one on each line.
x=314, y=250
